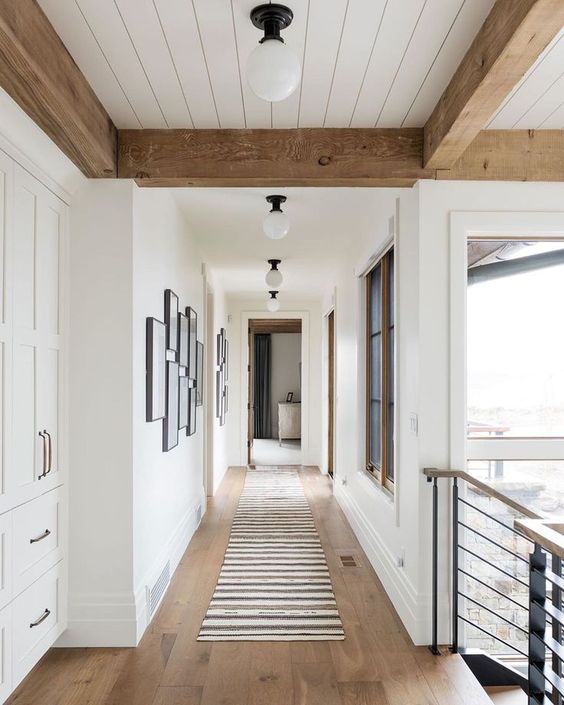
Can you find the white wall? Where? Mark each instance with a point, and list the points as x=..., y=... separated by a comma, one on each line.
x=387, y=526
x=285, y=355
x=133, y=507
x=399, y=527
x=168, y=488
x=239, y=310
x=221, y=435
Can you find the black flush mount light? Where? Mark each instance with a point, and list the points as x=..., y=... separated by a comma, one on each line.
x=273, y=70
x=274, y=276
x=273, y=304
x=276, y=224
x=271, y=18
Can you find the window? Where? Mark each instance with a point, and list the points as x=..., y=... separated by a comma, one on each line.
x=515, y=377
x=380, y=397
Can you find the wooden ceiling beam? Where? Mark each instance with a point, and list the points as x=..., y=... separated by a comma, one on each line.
x=510, y=155
x=329, y=157
x=37, y=71
x=272, y=157
x=512, y=38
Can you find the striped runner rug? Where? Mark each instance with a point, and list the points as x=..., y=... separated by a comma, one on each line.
x=274, y=583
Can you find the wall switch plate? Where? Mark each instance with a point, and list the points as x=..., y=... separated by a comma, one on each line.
x=414, y=424
x=400, y=560
x=343, y=481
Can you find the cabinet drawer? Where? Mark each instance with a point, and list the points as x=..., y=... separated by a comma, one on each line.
x=5, y=652
x=6, y=562
x=38, y=618
x=37, y=538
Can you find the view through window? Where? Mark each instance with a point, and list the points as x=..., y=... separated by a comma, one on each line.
x=515, y=338
x=515, y=424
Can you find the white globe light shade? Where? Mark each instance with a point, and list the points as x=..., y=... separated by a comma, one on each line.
x=273, y=305
x=273, y=71
x=276, y=225
x=274, y=278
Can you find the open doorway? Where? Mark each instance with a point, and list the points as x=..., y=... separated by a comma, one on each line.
x=275, y=392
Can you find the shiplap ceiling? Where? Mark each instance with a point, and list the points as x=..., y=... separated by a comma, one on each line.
x=324, y=223
x=538, y=101
x=181, y=63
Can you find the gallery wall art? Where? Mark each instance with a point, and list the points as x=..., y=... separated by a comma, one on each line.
x=174, y=374
x=222, y=377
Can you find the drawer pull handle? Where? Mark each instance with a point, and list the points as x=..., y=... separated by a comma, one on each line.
x=41, y=619
x=44, y=444
x=41, y=537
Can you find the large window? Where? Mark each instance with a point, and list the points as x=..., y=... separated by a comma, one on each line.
x=380, y=370
x=515, y=383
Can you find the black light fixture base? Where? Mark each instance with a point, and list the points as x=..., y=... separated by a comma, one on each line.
x=275, y=201
x=273, y=294
x=274, y=263
x=271, y=18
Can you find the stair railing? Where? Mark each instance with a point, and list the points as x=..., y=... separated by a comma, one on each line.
x=543, y=580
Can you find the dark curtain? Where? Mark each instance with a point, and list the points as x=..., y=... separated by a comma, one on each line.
x=261, y=392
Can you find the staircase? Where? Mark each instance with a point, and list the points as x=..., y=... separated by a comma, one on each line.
x=506, y=695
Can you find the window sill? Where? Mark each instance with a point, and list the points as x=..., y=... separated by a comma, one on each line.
x=384, y=492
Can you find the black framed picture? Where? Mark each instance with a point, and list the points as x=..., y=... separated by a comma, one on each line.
x=171, y=319
x=218, y=394
x=192, y=317
x=200, y=374
x=192, y=412
x=183, y=346
x=183, y=402
x=170, y=423
x=155, y=369
x=219, y=348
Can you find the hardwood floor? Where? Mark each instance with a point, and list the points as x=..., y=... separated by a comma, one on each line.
x=376, y=664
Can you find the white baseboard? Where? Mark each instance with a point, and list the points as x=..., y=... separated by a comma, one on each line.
x=106, y=619
x=400, y=590
x=120, y=619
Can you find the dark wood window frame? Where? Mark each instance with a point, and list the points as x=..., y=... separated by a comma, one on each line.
x=382, y=469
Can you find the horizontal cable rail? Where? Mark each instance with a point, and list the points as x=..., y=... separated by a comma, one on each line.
x=492, y=565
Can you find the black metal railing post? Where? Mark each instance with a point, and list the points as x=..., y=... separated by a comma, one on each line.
x=537, y=626
x=435, y=588
x=454, y=647
x=556, y=626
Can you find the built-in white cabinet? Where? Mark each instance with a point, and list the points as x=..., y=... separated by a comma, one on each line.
x=33, y=333
x=38, y=253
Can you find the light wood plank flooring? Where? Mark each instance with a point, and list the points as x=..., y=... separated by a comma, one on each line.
x=376, y=665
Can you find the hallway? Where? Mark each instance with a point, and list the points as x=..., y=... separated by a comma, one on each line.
x=376, y=664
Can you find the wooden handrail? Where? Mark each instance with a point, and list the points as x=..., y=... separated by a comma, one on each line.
x=544, y=532
x=484, y=487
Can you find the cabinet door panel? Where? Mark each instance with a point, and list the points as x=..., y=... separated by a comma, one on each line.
x=27, y=444
x=3, y=207
x=48, y=399
x=24, y=258
x=48, y=254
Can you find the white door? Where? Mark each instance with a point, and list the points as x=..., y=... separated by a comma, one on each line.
x=38, y=247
